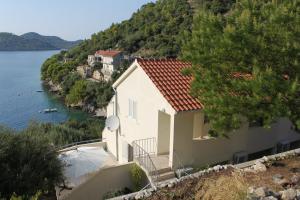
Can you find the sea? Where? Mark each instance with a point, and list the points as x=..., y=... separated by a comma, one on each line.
x=22, y=94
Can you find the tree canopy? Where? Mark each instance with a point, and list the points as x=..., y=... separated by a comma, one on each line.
x=246, y=63
x=28, y=165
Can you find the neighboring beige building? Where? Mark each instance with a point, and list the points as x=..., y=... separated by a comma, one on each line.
x=111, y=61
x=85, y=71
x=97, y=74
x=158, y=116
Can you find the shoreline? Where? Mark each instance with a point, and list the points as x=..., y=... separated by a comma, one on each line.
x=54, y=89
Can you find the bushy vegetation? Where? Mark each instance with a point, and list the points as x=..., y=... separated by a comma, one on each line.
x=68, y=132
x=215, y=6
x=246, y=63
x=28, y=164
x=138, y=177
x=155, y=30
x=28, y=159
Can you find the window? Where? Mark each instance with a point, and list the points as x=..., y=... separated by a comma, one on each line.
x=132, y=111
x=206, y=120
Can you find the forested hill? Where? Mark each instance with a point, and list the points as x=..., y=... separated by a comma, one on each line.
x=33, y=41
x=155, y=30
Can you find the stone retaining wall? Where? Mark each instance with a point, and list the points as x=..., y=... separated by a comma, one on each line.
x=243, y=166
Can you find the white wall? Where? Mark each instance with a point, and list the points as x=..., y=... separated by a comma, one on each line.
x=163, y=141
x=106, y=180
x=202, y=152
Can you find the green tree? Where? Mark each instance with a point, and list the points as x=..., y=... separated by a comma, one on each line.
x=77, y=92
x=246, y=63
x=28, y=165
x=69, y=81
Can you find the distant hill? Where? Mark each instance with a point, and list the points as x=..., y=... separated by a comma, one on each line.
x=33, y=41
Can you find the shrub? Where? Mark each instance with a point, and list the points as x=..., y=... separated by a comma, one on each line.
x=137, y=177
x=28, y=165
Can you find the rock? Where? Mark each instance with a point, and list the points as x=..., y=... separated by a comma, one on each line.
x=217, y=168
x=270, y=198
x=277, y=177
x=295, y=179
x=147, y=194
x=298, y=194
x=289, y=194
x=259, y=167
x=280, y=180
x=251, y=190
x=297, y=151
x=261, y=192
x=170, y=185
x=265, y=159
x=139, y=196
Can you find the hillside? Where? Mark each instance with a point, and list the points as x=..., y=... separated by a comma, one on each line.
x=156, y=30
x=53, y=40
x=32, y=41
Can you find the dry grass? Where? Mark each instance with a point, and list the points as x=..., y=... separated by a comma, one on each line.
x=231, y=187
x=229, y=184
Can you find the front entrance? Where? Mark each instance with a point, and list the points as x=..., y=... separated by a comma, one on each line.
x=163, y=139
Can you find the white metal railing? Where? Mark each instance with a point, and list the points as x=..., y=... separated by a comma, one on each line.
x=75, y=144
x=148, y=144
x=144, y=159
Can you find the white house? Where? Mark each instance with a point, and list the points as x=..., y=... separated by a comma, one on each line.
x=159, y=118
x=111, y=61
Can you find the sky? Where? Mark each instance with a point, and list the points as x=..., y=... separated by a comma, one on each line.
x=68, y=19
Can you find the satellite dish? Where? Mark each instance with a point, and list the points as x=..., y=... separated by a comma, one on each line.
x=112, y=123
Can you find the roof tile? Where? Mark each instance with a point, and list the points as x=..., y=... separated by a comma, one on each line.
x=109, y=53
x=167, y=77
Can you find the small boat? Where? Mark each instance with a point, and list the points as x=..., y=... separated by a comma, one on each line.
x=39, y=91
x=50, y=110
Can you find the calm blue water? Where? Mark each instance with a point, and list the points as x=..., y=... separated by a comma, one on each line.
x=19, y=101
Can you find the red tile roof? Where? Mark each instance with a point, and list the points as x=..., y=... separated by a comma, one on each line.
x=166, y=76
x=108, y=53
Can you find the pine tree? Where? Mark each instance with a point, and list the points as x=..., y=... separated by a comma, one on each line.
x=246, y=63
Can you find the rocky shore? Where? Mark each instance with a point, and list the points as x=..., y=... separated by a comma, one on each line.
x=57, y=89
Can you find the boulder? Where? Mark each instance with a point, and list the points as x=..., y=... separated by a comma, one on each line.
x=270, y=198
x=297, y=151
x=261, y=192
x=289, y=194
x=280, y=180
x=295, y=179
x=259, y=167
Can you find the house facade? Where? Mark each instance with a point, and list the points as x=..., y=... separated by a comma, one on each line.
x=158, y=115
x=111, y=61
